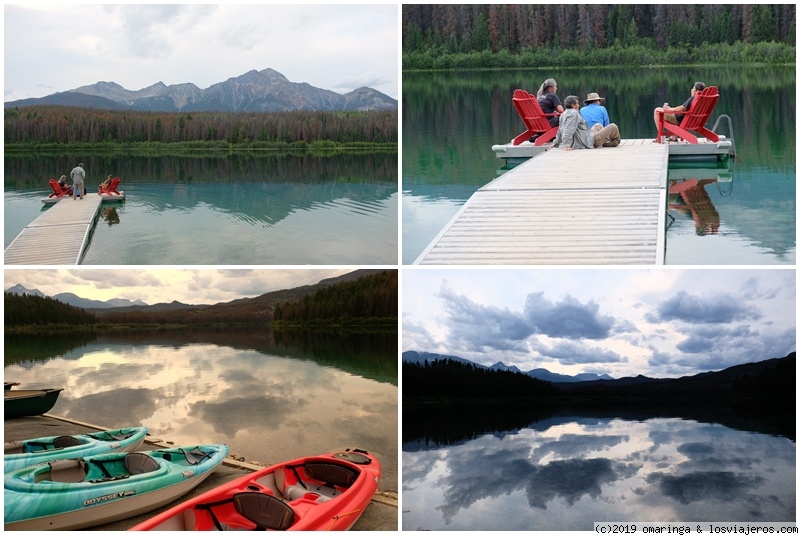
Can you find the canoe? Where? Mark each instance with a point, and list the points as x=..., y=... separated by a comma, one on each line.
x=323, y=492
x=19, y=454
x=20, y=403
x=78, y=493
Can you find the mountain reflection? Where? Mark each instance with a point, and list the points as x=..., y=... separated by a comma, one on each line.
x=574, y=472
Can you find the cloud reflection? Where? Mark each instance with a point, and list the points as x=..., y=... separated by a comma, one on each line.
x=575, y=472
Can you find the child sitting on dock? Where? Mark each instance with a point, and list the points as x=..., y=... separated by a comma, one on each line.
x=574, y=133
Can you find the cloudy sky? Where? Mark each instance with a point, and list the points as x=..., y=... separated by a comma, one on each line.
x=190, y=286
x=660, y=323
x=54, y=48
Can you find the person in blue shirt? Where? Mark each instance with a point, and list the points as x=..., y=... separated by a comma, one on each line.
x=593, y=112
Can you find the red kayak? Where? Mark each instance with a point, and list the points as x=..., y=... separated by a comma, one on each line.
x=318, y=493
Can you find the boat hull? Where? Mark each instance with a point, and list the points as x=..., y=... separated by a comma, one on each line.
x=43, y=450
x=315, y=506
x=34, y=502
x=19, y=403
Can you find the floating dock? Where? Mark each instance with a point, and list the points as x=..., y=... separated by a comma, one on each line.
x=59, y=235
x=604, y=206
x=703, y=150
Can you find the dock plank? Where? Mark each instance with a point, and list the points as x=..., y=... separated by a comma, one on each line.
x=604, y=206
x=59, y=236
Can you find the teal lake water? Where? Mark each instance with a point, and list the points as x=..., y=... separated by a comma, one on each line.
x=236, y=210
x=746, y=215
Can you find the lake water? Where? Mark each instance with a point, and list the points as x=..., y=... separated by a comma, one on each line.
x=565, y=473
x=451, y=120
x=270, y=398
x=277, y=209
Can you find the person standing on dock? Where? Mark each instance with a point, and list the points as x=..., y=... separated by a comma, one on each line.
x=593, y=112
x=548, y=100
x=574, y=133
x=78, y=176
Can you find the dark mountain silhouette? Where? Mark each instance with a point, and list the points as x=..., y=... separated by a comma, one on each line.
x=537, y=373
x=254, y=91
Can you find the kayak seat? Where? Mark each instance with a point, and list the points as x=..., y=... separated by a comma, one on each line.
x=265, y=511
x=195, y=456
x=118, y=437
x=68, y=470
x=331, y=474
x=65, y=442
x=139, y=463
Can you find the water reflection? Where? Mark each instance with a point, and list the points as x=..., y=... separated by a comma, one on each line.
x=243, y=209
x=566, y=473
x=264, y=404
x=689, y=197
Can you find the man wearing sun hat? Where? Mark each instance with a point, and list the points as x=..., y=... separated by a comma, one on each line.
x=593, y=112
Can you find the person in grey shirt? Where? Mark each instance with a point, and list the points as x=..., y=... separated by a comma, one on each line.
x=574, y=133
x=78, y=176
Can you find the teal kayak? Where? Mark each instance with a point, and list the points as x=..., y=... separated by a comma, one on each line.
x=19, y=454
x=69, y=494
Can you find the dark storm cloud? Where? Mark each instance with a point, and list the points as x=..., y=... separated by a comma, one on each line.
x=569, y=352
x=474, y=326
x=716, y=309
x=567, y=319
x=704, y=486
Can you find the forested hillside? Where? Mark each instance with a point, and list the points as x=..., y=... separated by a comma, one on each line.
x=449, y=380
x=370, y=299
x=69, y=125
x=366, y=301
x=42, y=311
x=595, y=34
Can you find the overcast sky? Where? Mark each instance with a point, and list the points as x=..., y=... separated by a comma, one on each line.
x=54, y=48
x=660, y=323
x=191, y=286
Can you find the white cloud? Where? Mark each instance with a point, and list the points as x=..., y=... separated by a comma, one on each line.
x=54, y=48
x=618, y=321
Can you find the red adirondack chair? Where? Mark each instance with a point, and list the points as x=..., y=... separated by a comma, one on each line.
x=694, y=120
x=111, y=189
x=58, y=191
x=534, y=118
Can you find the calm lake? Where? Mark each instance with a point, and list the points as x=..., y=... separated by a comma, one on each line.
x=239, y=209
x=269, y=397
x=745, y=214
x=566, y=472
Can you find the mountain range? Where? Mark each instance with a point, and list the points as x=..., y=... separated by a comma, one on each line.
x=253, y=91
x=416, y=357
x=257, y=303
x=74, y=300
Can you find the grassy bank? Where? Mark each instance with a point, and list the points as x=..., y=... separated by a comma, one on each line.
x=205, y=147
x=638, y=55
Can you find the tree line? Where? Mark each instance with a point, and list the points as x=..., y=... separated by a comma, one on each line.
x=22, y=310
x=517, y=27
x=448, y=380
x=368, y=299
x=65, y=125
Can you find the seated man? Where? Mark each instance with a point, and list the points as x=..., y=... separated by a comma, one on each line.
x=593, y=112
x=574, y=133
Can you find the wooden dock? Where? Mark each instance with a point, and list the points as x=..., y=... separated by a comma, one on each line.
x=59, y=236
x=603, y=206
